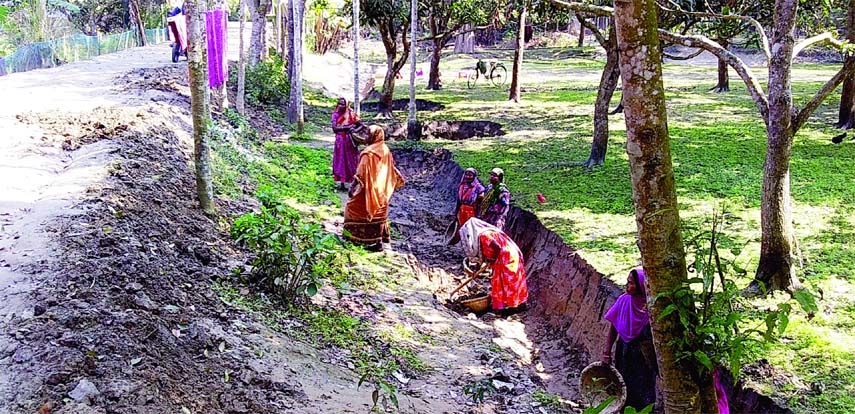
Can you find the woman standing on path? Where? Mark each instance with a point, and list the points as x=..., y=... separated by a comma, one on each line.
x=345, y=153
x=376, y=178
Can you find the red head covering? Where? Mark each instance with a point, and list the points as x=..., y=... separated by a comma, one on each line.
x=629, y=313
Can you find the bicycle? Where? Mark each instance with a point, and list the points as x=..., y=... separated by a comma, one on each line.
x=498, y=74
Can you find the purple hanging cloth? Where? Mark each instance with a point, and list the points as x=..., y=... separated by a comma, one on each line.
x=216, y=26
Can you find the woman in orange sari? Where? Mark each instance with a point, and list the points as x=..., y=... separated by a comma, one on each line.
x=376, y=179
x=484, y=242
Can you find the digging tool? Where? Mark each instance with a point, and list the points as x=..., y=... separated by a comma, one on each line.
x=471, y=278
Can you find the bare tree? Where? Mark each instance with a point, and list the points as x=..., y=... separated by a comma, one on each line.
x=200, y=104
x=515, y=93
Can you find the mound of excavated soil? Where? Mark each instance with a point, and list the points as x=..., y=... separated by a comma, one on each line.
x=132, y=320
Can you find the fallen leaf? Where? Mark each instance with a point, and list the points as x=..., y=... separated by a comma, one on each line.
x=222, y=346
x=136, y=361
x=176, y=332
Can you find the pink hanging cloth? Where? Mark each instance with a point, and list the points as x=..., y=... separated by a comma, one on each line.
x=216, y=25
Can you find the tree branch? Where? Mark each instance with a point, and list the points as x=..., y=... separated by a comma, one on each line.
x=811, y=41
x=757, y=26
x=732, y=60
x=593, y=28
x=687, y=57
x=803, y=114
x=583, y=7
x=453, y=33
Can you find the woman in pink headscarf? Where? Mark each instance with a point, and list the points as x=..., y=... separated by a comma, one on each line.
x=635, y=357
x=345, y=153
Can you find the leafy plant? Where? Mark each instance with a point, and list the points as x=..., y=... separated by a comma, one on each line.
x=292, y=256
x=478, y=389
x=267, y=82
x=726, y=329
x=384, y=392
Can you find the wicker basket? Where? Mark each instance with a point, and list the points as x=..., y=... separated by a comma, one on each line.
x=600, y=381
x=477, y=305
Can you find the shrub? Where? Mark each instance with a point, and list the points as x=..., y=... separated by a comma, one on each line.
x=267, y=82
x=292, y=256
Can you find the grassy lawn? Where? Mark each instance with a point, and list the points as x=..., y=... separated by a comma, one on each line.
x=718, y=147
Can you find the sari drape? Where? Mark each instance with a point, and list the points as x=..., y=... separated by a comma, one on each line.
x=366, y=212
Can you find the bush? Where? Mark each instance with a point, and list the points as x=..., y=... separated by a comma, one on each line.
x=266, y=83
x=292, y=256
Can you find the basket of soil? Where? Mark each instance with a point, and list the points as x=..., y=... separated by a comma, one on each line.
x=477, y=304
x=599, y=382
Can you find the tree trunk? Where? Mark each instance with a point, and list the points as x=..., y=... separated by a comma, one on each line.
x=413, y=129
x=134, y=11
x=295, y=107
x=655, y=197
x=240, y=100
x=258, y=40
x=723, y=84
x=776, y=269
x=465, y=42
x=581, y=41
x=289, y=56
x=434, y=83
x=846, y=115
x=515, y=93
x=393, y=66
x=356, y=88
x=608, y=83
x=200, y=104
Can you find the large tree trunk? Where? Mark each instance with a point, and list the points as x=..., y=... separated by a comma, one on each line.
x=776, y=269
x=240, y=99
x=258, y=40
x=608, y=83
x=465, y=42
x=295, y=101
x=434, y=83
x=393, y=65
x=723, y=84
x=846, y=115
x=515, y=93
x=200, y=104
x=136, y=18
x=655, y=197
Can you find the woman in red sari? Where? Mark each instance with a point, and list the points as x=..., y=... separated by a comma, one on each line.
x=469, y=195
x=484, y=242
x=345, y=153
